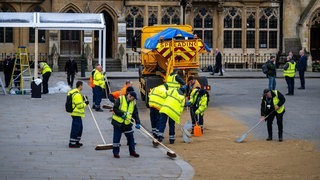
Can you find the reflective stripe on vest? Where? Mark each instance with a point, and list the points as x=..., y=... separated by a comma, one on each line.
x=98, y=79
x=157, y=96
x=290, y=72
x=125, y=107
x=173, y=105
x=276, y=101
x=171, y=81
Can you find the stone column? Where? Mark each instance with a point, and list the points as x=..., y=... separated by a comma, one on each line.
x=121, y=47
x=54, y=49
x=88, y=54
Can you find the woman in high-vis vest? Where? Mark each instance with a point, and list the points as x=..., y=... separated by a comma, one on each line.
x=289, y=71
x=125, y=110
x=174, y=80
x=272, y=105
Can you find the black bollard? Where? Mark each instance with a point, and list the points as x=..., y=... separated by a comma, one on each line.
x=82, y=68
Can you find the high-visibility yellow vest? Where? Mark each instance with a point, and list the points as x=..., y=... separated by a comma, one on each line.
x=202, y=104
x=290, y=72
x=173, y=105
x=171, y=81
x=98, y=79
x=157, y=96
x=125, y=107
x=45, y=67
x=276, y=101
x=78, y=103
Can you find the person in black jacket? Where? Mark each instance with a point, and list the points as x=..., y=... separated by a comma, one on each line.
x=125, y=110
x=218, y=66
x=272, y=73
x=272, y=105
x=8, y=64
x=302, y=67
x=71, y=69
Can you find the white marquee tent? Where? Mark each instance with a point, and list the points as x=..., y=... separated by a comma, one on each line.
x=56, y=21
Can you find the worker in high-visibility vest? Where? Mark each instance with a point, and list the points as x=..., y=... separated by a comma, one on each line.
x=272, y=105
x=174, y=80
x=46, y=73
x=99, y=86
x=172, y=108
x=289, y=71
x=156, y=98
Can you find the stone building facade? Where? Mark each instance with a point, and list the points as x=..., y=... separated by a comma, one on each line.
x=249, y=29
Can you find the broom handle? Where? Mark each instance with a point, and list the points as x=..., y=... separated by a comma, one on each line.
x=147, y=133
x=259, y=122
x=95, y=121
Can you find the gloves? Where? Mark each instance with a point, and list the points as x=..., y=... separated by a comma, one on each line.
x=197, y=112
x=87, y=102
x=138, y=126
x=124, y=115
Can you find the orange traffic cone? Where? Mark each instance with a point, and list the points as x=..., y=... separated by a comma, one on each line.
x=197, y=130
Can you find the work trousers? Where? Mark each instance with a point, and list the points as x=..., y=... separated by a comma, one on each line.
x=154, y=118
x=7, y=77
x=117, y=132
x=45, y=80
x=162, y=126
x=76, y=129
x=301, y=76
x=97, y=95
x=195, y=118
x=290, y=84
x=279, y=123
x=70, y=79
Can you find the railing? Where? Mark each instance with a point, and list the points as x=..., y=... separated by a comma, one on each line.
x=232, y=61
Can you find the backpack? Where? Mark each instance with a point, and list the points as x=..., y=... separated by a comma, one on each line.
x=69, y=103
x=264, y=68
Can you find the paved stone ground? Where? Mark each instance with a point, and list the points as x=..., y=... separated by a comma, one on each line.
x=34, y=135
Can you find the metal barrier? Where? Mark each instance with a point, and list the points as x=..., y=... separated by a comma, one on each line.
x=232, y=61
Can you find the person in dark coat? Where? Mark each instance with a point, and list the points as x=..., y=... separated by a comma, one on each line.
x=71, y=69
x=218, y=65
x=272, y=105
x=272, y=73
x=8, y=64
x=302, y=67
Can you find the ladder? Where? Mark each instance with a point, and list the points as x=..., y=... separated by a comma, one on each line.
x=2, y=87
x=21, y=73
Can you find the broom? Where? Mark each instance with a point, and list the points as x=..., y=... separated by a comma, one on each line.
x=103, y=146
x=243, y=136
x=155, y=142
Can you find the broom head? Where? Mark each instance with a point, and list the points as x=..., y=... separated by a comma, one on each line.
x=171, y=154
x=104, y=147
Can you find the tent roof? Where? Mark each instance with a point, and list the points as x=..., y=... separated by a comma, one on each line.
x=59, y=21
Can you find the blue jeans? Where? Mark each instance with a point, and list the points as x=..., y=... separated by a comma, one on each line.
x=117, y=132
x=162, y=126
x=76, y=129
x=154, y=117
x=272, y=82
